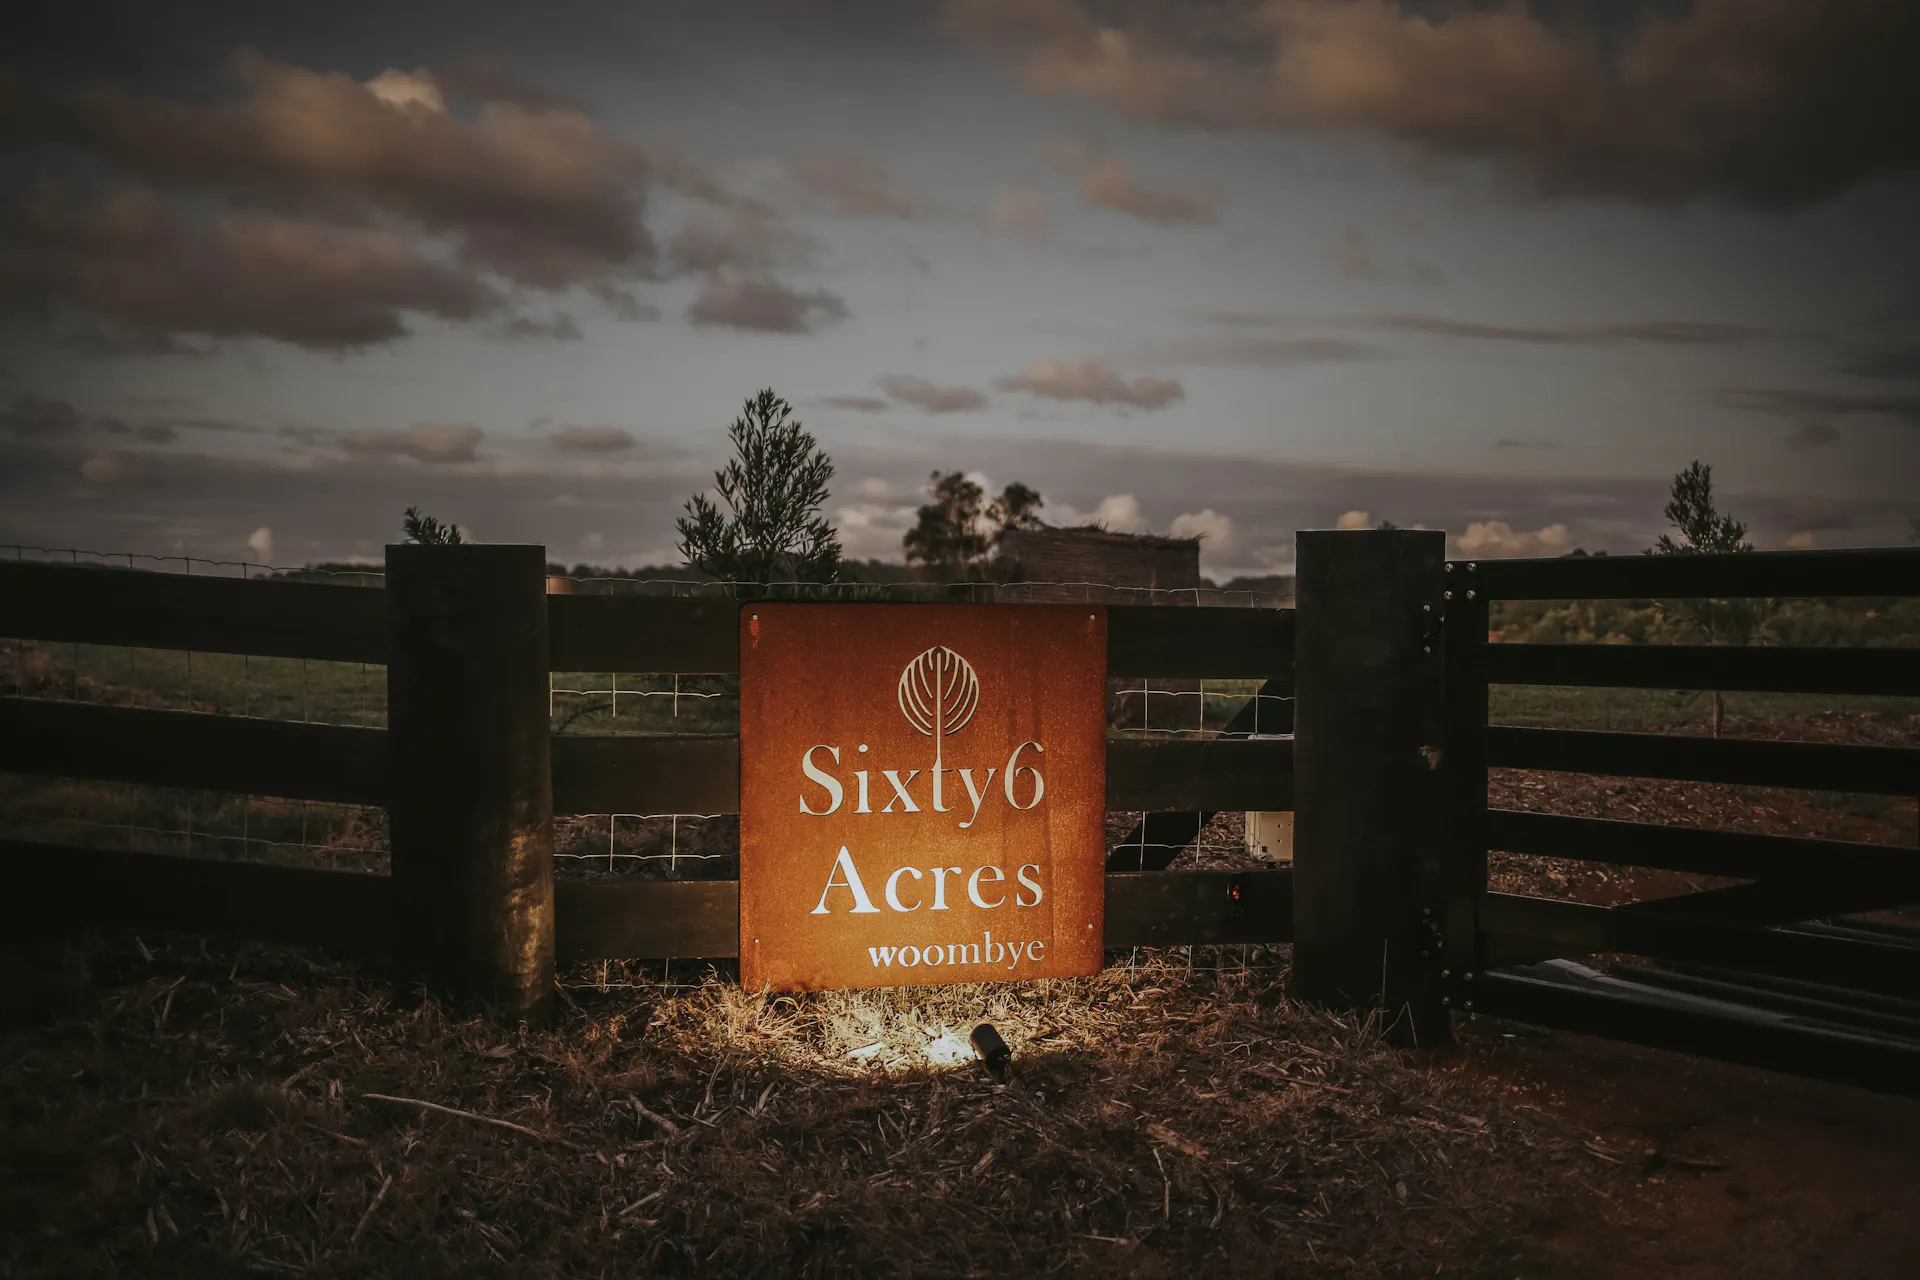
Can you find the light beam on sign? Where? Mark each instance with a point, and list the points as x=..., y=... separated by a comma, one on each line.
x=938, y=692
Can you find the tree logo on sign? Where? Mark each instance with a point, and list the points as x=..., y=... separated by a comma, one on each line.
x=938, y=693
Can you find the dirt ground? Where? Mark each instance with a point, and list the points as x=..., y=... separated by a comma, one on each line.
x=1726, y=1171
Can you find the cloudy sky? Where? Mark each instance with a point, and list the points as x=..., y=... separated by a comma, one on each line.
x=1231, y=268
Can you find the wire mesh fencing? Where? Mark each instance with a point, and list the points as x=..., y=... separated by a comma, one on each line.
x=117, y=816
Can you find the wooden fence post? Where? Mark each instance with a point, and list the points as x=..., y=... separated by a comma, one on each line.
x=1369, y=826
x=471, y=810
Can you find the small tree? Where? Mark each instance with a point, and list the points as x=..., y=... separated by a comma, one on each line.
x=773, y=488
x=1704, y=529
x=430, y=532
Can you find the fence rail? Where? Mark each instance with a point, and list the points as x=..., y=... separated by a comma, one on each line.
x=1891, y=571
x=591, y=773
x=1694, y=850
x=684, y=636
x=53, y=883
x=192, y=749
x=147, y=610
x=1727, y=668
x=1815, y=766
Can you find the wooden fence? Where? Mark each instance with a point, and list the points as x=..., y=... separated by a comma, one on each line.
x=1386, y=659
x=592, y=919
x=1765, y=925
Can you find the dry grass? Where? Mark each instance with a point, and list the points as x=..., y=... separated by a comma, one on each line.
x=171, y=1109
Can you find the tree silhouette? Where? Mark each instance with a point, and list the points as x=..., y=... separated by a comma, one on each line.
x=954, y=532
x=773, y=489
x=1017, y=507
x=1704, y=529
x=430, y=532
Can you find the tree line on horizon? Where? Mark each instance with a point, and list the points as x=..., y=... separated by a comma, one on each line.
x=765, y=524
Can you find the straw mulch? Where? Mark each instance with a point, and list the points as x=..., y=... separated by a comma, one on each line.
x=176, y=1108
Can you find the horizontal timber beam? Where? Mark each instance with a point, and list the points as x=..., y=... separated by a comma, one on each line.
x=1723, y=667
x=701, y=637
x=1699, y=851
x=1879, y=571
x=1812, y=766
x=145, y=610
x=110, y=888
x=341, y=764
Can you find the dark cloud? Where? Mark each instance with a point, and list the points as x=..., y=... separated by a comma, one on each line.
x=88, y=336
x=30, y=417
x=490, y=77
x=1792, y=402
x=1769, y=102
x=1815, y=515
x=852, y=184
x=1092, y=380
x=1260, y=351
x=1812, y=435
x=136, y=261
x=111, y=425
x=1900, y=363
x=737, y=241
x=597, y=439
x=622, y=304
x=540, y=196
x=427, y=442
x=1668, y=333
x=922, y=394
x=763, y=305
x=856, y=404
x=560, y=328
x=155, y=433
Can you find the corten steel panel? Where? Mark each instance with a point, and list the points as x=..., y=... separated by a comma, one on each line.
x=899, y=688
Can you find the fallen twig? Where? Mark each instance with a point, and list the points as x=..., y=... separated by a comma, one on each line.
x=334, y=1133
x=647, y=1113
x=365, y=1218
x=473, y=1115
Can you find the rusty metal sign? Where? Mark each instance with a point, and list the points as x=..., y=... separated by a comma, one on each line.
x=922, y=793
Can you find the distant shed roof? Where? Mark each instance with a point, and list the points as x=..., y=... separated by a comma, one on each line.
x=1075, y=564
